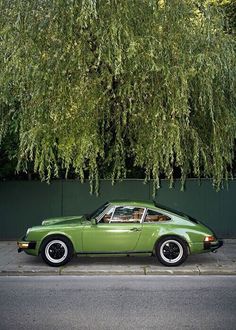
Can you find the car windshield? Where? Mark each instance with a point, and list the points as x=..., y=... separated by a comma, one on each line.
x=98, y=211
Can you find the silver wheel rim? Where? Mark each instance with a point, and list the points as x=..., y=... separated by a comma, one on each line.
x=56, y=251
x=171, y=251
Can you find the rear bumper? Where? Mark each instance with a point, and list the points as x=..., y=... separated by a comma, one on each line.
x=212, y=246
x=26, y=245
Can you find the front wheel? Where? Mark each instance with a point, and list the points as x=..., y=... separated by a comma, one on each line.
x=57, y=251
x=171, y=251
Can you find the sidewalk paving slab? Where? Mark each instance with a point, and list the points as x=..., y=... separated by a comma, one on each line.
x=221, y=263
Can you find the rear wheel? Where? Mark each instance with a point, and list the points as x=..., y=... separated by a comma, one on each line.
x=171, y=251
x=57, y=251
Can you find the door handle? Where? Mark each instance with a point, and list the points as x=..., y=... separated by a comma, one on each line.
x=135, y=229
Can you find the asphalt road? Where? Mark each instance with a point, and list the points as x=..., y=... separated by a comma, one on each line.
x=118, y=302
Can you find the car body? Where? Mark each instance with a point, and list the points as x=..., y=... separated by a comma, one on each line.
x=120, y=227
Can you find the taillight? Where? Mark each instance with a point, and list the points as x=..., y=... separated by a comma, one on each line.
x=209, y=239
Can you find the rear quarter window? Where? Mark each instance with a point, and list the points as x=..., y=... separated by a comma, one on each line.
x=154, y=216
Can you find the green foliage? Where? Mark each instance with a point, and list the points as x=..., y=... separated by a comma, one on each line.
x=229, y=9
x=98, y=81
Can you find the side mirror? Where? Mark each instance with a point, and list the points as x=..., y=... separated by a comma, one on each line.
x=93, y=221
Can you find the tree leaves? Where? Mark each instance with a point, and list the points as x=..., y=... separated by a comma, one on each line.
x=101, y=81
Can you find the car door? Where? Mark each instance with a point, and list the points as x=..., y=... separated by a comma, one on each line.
x=154, y=223
x=118, y=231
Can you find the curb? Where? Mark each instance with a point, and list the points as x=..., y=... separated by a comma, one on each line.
x=144, y=272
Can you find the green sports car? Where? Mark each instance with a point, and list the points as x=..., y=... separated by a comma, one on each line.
x=120, y=227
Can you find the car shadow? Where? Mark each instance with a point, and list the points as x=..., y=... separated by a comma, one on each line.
x=129, y=261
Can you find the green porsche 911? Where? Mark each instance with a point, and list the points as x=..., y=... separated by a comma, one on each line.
x=120, y=227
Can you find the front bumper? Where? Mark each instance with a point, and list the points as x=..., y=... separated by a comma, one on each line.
x=212, y=246
x=24, y=245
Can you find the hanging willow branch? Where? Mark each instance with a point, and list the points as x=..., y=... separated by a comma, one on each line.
x=97, y=81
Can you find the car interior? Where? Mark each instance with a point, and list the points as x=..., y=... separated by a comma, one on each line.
x=134, y=216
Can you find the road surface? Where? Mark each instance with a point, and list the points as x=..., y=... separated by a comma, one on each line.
x=118, y=302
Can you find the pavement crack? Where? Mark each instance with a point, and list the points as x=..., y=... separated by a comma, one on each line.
x=60, y=270
x=145, y=270
x=198, y=269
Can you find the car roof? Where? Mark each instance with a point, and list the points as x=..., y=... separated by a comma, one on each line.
x=127, y=202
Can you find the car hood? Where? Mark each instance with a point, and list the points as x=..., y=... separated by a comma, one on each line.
x=64, y=220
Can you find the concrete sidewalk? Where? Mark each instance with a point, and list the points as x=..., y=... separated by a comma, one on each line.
x=221, y=263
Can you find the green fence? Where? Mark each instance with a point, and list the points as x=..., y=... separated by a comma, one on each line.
x=27, y=203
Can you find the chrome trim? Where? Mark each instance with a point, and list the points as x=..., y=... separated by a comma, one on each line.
x=125, y=205
x=112, y=214
x=110, y=206
x=101, y=215
x=144, y=215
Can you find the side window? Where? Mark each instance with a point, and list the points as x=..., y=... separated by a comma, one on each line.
x=127, y=214
x=107, y=217
x=154, y=216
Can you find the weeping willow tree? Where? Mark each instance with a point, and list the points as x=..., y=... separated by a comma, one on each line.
x=96, y=82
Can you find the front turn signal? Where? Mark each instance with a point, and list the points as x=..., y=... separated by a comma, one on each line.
x=23, y=245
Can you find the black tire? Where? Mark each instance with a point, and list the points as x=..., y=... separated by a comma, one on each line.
x=171, y=251
x=57, y=251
